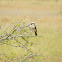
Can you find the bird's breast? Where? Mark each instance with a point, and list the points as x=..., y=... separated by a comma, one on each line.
x=32, y=26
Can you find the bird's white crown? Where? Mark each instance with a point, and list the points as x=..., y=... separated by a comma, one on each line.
x=32, y=22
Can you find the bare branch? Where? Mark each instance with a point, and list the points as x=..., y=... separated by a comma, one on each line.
x=14, y=34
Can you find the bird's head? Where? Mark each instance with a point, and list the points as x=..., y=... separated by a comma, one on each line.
x=32, y=23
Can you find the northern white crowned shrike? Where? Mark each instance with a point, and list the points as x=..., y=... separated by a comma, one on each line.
x=33, y=28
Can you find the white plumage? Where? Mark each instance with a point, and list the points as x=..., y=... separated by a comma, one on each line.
x=33, y=27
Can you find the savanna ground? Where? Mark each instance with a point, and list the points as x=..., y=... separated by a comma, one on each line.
x=47, y=15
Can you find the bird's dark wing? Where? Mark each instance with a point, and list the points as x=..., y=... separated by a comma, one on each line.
x=35, y=31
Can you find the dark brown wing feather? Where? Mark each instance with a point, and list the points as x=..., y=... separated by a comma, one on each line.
x=35, y=31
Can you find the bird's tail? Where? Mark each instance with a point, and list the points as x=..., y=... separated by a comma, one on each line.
x=35, y=33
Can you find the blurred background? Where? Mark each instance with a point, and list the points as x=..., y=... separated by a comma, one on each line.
x=47, y=15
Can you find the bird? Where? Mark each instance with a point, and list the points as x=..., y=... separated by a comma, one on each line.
x=33, y=28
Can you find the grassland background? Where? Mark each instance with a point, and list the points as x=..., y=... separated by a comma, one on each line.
x=47, y=14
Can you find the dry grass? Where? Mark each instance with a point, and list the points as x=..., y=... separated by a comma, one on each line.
x=49, y=26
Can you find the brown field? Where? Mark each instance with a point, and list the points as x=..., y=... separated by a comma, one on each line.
x=47, y=15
